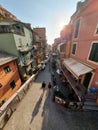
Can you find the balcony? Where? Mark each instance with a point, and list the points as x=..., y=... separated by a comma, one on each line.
x=28, y=62
x=6, y=27
x=25, y=49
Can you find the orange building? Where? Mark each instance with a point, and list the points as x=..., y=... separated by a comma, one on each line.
x=81, y=69
x=9, y=77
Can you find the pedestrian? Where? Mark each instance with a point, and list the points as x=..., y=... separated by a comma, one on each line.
x=43, y=66
x=43, y=86
x=54, y=81
x=49, y=85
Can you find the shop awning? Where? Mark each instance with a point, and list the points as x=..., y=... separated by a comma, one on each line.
x=76, y=68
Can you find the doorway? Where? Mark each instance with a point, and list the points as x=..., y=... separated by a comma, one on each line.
x=87, y=79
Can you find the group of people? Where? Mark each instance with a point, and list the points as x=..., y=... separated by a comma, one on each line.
x=44, y=85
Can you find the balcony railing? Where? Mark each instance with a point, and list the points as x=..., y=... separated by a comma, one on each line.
x=79, y=89
x=7, y=109
x=28, y=62
x=25, y=49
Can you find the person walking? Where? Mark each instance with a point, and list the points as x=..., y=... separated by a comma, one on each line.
x=54, y=81
x=43, y=86
x=49, y=85
x=43, y=66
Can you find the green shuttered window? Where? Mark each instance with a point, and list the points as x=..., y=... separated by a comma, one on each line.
x=74, y=49
x=77, y=28
x=94, y=53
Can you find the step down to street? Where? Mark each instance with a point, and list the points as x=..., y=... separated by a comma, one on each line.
x=90, y=103
x=93, y=108
x=90, y=100
x=91, y=96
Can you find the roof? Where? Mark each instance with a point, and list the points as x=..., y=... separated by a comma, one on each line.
x=83, y=5
x=76, y=68
x=8, y=22
x=5, y=58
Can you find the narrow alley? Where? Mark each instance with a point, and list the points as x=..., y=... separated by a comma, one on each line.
x=36, y=111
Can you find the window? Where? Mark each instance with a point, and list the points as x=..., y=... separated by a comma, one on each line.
x=77, y=28
x=18, y=29
x=7, y=69
x=96, y=30
x=31, y=35
x=74, y=49
x=0, y=85
x=12, y=84
x=20, y=40
x=94, y=53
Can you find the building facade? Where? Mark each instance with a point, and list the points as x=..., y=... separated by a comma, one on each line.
x=42, y=34
x=10, y=80
x=37, y=47
x=16, y=39
x=81, y=69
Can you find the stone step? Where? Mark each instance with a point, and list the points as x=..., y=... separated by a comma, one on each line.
x=93, y=108
x=89, y=103
x=91, y=96
x=90, y=100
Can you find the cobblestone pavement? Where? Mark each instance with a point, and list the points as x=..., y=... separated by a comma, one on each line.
x=36, y=111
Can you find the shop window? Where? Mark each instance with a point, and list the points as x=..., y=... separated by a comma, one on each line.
x=74, y=49
x=94, y=53
x=12, y=84
x=7, y=69
x=77, y=28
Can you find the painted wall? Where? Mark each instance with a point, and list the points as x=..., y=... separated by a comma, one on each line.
x=6, y=78
x=23, y=40
x=7, y=43
x=88, y=22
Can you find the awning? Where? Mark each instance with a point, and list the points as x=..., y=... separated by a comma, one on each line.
x=76, y=68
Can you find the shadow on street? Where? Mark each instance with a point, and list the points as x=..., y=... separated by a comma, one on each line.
x=56, y=117
x=36, y=109
x=46, y=104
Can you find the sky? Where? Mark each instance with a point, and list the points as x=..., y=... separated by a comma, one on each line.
x=51, y=14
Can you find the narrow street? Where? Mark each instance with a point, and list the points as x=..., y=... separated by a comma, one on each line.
x=36, y=111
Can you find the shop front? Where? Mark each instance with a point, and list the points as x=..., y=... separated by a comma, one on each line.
x=74, y=72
